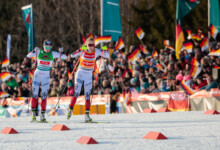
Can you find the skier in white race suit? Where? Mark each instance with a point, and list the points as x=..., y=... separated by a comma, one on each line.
x=41, y=77
x=84, y=74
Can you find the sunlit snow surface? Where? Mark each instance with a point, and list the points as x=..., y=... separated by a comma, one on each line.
x=184, y=130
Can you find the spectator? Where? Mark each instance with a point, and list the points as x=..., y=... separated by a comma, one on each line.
x=211, y=84
x=70, y=89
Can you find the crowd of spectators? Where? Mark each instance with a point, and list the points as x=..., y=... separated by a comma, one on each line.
x=119, y=74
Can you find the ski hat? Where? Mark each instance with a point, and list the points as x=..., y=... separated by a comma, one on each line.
x=70, y=84
x=179, y=77
x=187, y=77
x=47, y=43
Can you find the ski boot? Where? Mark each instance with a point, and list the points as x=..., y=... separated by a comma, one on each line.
x=42, y=116
x=69, y=114
x=87, y=117
x=33, y=117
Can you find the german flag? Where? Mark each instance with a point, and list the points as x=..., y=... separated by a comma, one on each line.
x=188, y=89
x=155, y=53
x=124, y=73
x=215, y=52
x=159, y=66
x=200, y=33
x=194, y=62
x=188, y=46
x=20, y=98
x=130, y=69
x=140, y=33
x=213, y=31
x=196, y=37
x=102, y=39
x=3, y=94
x=5, y=75
x=170, y=47
x=135, y=54
x=31, y=73
x=144, y=50
x=179, y=39
x=194, y=71
x=53, y=112
x=5, y=62
x=216, y=67
x=189, y=34
x=111, y=69
x=166, y=42
x=204, y=44
x=83, y=39
x=119, y=45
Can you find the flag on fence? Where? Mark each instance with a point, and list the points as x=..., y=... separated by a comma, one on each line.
x=5, y=76
x=5, y=62
x=3, y=94
x=20, y=98
x=178, y=102
x=188, y=46
x=119, y=45
x=140, y=33
x=12, y=112
x=134, y=55
x=179, y=39
x=213, y=31
x=28, y=17
x=204, y=44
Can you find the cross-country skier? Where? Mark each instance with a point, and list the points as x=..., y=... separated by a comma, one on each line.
x=84, y=75
x=44, y=59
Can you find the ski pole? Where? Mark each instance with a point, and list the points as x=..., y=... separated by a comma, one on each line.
x=97, y=75
x=57, y=104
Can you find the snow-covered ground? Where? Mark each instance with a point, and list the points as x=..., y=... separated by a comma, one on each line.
x=184, y=130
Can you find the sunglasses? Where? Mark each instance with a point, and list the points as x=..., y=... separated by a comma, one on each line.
x=91, y=45
x=48, y=47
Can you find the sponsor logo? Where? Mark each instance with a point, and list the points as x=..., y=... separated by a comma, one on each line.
x=86, y=63
x=44, y=63
x=89, y=55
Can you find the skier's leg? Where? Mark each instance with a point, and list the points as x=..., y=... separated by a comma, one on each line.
x=44, y=91
x=87, y=89
x=78, y=86
x=35, y=90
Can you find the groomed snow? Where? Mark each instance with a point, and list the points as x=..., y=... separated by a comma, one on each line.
x=184, y=130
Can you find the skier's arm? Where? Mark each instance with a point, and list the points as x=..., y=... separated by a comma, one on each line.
x=105, y=53
x=76, y=53
x=57, y=55
x=33, y=53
